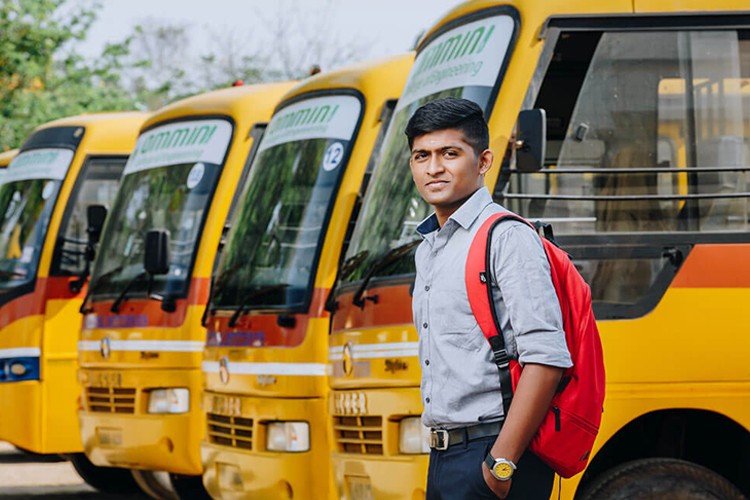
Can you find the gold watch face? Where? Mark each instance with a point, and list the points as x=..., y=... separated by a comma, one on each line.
x=503, y=470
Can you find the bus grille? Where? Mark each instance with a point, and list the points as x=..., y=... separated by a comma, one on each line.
x=110, y=400
x=230, y=431
x=360, y=435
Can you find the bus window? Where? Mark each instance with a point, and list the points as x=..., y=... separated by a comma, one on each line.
x=27, y=198
x=465, y=61
x=648, y=146
x=97, y=185
x=163, y=186
x=272, y=248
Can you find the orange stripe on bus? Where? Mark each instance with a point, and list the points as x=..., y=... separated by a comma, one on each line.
x=715, y=266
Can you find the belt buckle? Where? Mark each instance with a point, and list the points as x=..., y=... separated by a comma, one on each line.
x=439, y=439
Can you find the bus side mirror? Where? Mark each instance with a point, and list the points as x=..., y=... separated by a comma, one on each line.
x=95, y=217
x=531, y=140
x=156, y=257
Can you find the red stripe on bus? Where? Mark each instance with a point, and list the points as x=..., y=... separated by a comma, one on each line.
x=197, y=296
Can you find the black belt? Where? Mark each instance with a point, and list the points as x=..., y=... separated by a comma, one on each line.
x=441, y=439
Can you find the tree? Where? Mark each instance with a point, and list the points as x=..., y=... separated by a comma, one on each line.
x=300, y=40
x=42, y=77
x=164, y=64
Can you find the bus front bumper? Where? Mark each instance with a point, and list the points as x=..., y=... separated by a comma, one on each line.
x=244, y=467
x=118, y=431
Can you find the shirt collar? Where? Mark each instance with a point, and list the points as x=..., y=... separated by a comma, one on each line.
x=464, y=216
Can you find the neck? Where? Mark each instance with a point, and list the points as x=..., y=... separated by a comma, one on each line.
x=443, y=212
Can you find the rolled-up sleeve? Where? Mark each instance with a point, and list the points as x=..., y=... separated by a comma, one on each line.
x=527, y=304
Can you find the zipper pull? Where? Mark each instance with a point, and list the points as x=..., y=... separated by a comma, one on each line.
x=556, y=411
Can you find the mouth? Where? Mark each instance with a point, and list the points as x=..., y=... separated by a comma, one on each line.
x=439, y=183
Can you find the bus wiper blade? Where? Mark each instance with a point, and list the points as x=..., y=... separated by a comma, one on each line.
x=387, y=258
x=11, y=274
x=254, y=295
x=93, y=285
x=123, y=295
x=344, y=270
x=349, y=264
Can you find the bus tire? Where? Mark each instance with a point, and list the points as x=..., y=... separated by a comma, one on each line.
x=155, y=484
x=189, y=487
x=660, y=478
x=104, y=479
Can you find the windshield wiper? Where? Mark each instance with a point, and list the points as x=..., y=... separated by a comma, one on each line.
x=11, y=274
x=344, y=270
x=124, y=294
x=93, y=285
x=387, y=258
x=254, y=295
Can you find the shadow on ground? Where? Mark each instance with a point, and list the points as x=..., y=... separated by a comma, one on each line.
x=59, y=493
x=19, y=456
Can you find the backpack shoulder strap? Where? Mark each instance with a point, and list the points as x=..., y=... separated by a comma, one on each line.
x=477, y=277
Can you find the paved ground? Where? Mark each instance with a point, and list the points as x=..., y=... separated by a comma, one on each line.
x=25, y=475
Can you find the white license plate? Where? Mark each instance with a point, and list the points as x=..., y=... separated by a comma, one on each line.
x=359, y=488
x=109, y=436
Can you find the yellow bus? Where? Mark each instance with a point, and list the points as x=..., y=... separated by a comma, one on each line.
x=142, y=339
x=6, y=157
x=625, y=124
x=265, y=357
x=61, y=169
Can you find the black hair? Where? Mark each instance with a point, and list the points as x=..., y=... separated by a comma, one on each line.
x=451, y=112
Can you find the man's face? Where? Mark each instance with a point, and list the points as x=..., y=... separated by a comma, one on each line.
x=446, y=170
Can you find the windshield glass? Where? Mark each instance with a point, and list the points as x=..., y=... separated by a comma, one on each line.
x=168, y=183
x=464, y=61
x=271, y=250
x=28, y=191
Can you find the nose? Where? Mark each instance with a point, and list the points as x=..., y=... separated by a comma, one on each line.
x=435, y=165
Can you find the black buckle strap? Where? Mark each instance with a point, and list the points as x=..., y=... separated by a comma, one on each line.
x=441, y=439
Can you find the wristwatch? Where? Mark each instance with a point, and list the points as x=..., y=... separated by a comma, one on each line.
x=502, y=469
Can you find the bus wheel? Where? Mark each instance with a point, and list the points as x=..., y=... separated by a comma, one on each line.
x=104, y=479
x=660, y=478
x=155, y=484
x=189, y=487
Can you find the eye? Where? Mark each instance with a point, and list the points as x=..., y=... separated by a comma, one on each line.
x=451, y=153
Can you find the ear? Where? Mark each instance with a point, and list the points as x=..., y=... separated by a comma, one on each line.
x=485, y=161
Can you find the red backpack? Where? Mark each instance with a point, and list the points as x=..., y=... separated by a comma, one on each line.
x=566, y=436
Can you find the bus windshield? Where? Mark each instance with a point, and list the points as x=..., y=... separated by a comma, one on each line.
x=272, y=248
x=463, y=61
x=28, y=191
x=168, y=183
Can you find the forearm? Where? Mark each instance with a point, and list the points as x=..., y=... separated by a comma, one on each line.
x=531, y=401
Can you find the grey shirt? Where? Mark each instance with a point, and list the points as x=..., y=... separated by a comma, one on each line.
x=460, y=381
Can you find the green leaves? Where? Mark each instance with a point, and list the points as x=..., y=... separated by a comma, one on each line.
x=42, y=77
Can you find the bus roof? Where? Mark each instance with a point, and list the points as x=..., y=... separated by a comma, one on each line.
x=231, y=101
x=533, y=10
x=106, y=133
x=361, y=76
x=111, y=118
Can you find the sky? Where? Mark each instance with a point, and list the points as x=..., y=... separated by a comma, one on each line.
x=384, y=27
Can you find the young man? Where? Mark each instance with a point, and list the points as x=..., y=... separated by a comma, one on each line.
x=461, y=393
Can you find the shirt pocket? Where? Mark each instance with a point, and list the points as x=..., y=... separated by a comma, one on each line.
x=472, y=340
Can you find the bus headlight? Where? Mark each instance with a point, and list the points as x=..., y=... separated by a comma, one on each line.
x=169, y=400
x=18, y=369
x=288, y=436
x=413, y=437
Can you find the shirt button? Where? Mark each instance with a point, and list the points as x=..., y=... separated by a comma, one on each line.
x=427, y=288
x=427, y=400
x=424, y=325
x=427, y=361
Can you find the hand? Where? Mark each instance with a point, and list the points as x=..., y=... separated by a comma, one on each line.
x=499, y=488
